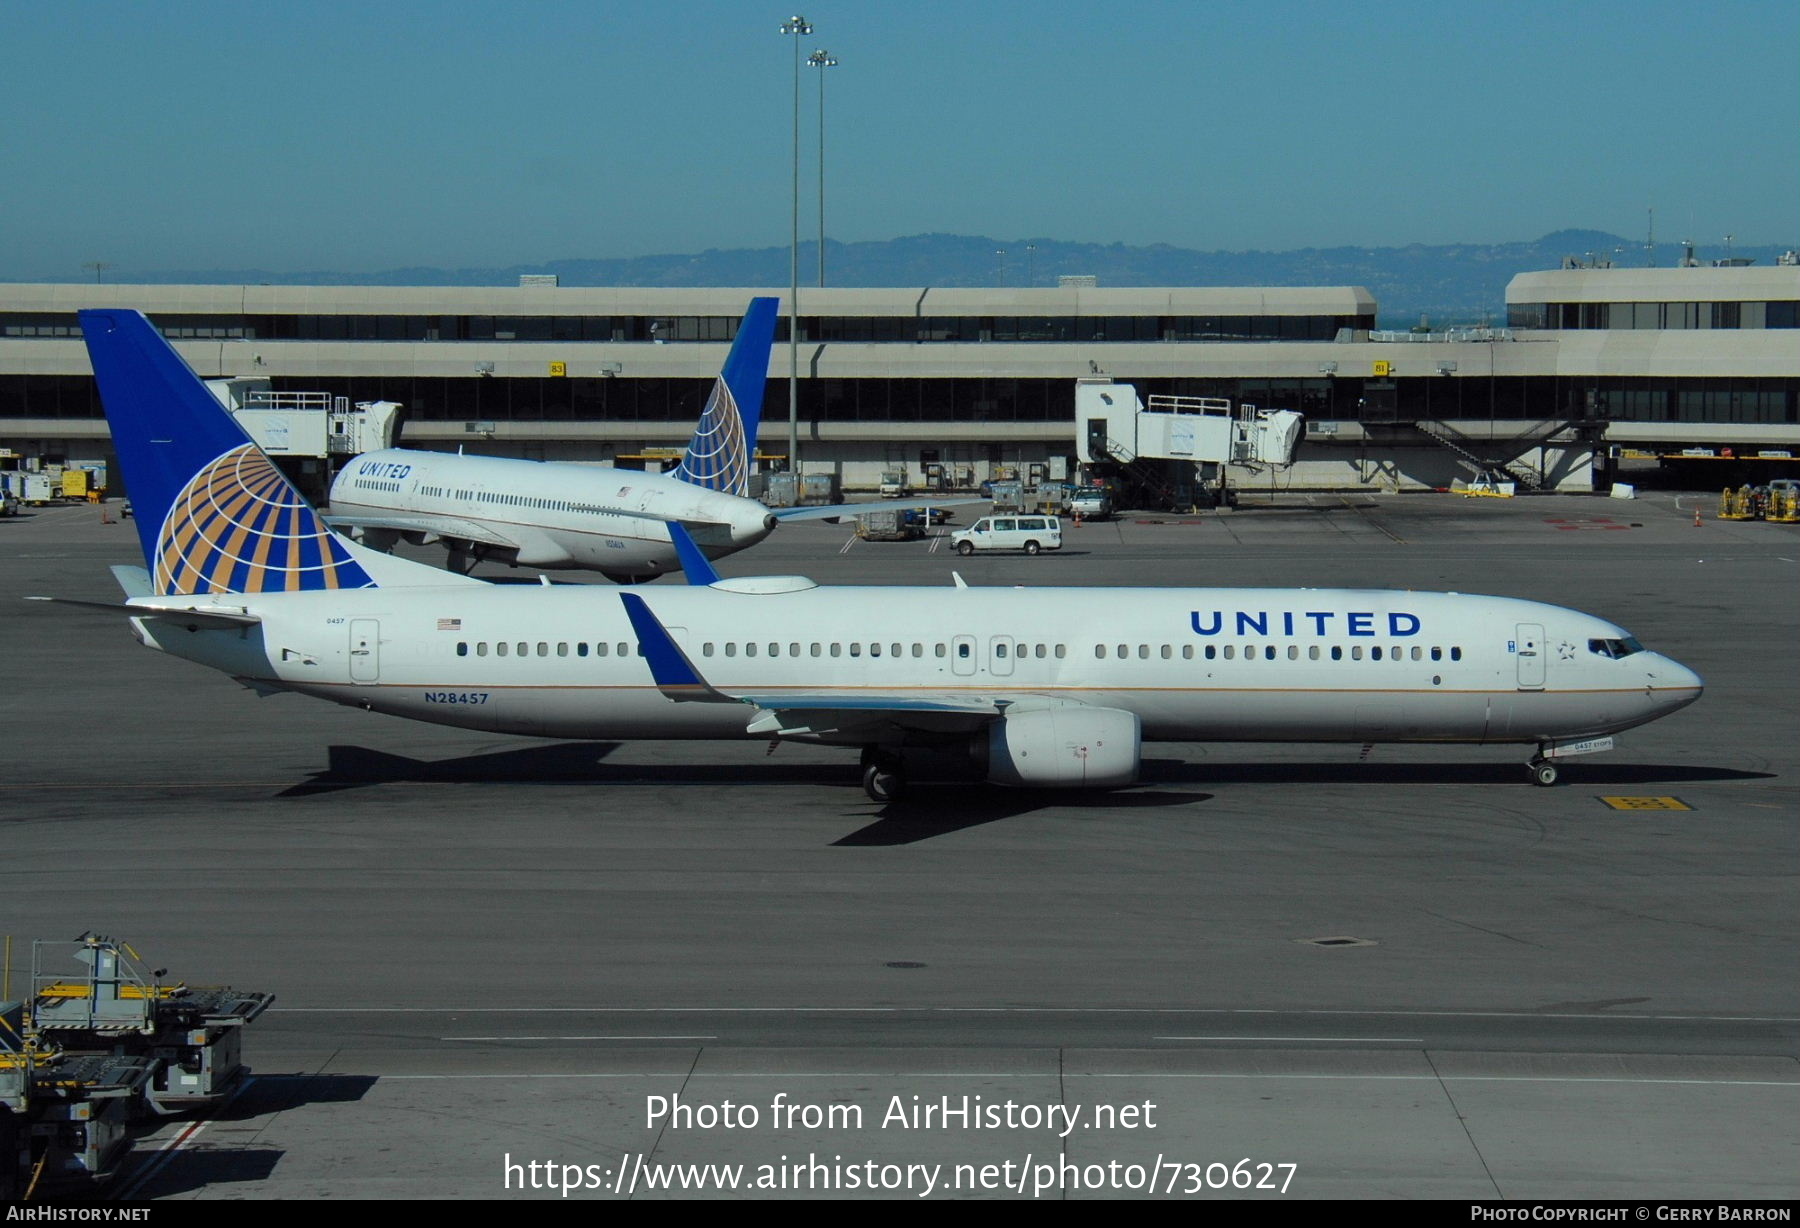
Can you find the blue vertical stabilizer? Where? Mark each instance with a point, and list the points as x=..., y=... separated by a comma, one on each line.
x=213, y=513
x=724, y=444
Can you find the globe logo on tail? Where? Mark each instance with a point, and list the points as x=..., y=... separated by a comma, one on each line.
x=717, y=457
x=238, y=526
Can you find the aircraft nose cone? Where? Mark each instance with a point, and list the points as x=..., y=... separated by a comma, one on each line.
x=1674, y=682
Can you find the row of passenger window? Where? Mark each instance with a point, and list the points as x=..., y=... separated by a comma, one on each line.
x=523, y=648
x=548, y=505
x=856, y=649
x=1270, y=652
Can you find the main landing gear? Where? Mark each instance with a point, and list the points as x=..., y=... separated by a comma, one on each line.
x=883, y=774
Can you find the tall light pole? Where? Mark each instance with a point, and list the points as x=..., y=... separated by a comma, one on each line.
x=821, y=60
x=799, y=28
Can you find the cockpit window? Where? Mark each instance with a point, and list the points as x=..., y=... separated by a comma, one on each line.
x=1615, y=648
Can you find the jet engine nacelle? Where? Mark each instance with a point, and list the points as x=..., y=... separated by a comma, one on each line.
x=1062, y=748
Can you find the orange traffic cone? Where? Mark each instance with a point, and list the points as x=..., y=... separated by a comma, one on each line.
x=1696, y=518
x=1078, y=520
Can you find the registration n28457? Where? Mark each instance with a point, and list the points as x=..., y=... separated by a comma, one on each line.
x=456, y=697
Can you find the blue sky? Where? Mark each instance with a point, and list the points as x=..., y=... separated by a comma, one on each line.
x=379, y=134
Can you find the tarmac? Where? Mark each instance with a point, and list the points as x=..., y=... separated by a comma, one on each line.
x=506, y=966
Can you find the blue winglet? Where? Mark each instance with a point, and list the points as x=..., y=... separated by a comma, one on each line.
x=675, y=675
x=694, y=563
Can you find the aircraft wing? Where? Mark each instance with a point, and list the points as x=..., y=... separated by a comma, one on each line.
x=430, y=526
x=788, y=714
x=801, y=712
x=840, y=511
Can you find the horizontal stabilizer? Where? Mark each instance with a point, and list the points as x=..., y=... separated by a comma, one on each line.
x=212, y=620
x=133, y=581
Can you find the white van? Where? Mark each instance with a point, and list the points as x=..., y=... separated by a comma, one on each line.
x=1028, y=533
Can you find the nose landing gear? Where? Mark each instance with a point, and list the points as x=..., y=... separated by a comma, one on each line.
x=1543, y=766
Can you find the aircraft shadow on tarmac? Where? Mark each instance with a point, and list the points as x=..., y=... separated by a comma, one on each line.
x=934, y=810
x=560, y=763
x=929, y=811
x=357, y=767
x=1578, y=775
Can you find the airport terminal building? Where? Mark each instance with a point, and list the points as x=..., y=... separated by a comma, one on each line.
x=1595, y=368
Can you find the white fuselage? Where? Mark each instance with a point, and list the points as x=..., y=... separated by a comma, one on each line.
x=544, y=513
x=1193, y=664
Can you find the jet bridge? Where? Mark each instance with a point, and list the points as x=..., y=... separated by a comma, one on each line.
x=310, y=435
x=1176, y=451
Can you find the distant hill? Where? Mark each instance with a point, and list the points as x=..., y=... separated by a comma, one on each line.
x=1450, y=283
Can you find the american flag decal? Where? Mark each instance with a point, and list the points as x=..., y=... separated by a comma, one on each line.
x=449, y=624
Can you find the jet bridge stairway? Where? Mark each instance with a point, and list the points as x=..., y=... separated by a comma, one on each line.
x=1144, y=479
x=1486, y=457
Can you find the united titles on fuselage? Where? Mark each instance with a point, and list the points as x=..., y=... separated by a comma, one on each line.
x=1257, y=622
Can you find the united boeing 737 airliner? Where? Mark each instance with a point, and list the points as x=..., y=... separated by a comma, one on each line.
x=557, y=514
x=1047, y=687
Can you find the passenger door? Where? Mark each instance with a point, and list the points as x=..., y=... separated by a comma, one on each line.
x=365, y=650
x=1529, y=649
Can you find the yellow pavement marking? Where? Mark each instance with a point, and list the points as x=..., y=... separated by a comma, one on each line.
x=1646, y=803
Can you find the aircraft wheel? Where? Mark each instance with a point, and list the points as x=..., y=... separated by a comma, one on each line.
x=1031, y=547
x=883, y=781
x=1543, y=771
x=965, y=548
